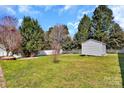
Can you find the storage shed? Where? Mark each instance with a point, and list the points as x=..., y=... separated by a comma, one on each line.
x=93, y=47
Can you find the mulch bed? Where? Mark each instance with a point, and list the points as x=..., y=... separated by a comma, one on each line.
x=8, y=58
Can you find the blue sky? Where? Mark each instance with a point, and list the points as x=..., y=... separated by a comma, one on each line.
x=51, y=15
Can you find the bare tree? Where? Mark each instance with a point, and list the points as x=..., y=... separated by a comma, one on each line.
x=10, y=38
x=57, y=36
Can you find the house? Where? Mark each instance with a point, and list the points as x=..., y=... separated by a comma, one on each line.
x=2, y=50
x=4, y=53
x=42, y=52
x=93, y=47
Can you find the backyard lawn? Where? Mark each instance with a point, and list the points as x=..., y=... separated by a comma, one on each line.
x=72, y=71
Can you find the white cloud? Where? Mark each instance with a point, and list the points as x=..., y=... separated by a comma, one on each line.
x=73, y=24
x=82, y=12
x=8, y=9
x=65, y=8
x=27, y=9
x=72, y=27
x=118, y=12
x=87, y=12
x=24, y=8
x=48, y=7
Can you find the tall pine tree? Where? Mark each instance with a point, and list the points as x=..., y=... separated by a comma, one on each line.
x=105, y=29
x=116, y=37
x=32, y=36
x=101, y=22
x=83, y=31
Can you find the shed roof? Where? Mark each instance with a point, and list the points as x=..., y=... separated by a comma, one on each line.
x=94, y=41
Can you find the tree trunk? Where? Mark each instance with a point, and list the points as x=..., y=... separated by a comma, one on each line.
x=56, y=53
x=12, y=54
x=7, y=53
x=32, y=54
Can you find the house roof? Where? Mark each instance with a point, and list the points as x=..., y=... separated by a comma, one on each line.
x=94, y=41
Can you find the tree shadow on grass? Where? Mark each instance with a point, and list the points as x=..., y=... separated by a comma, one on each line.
x=121, y=63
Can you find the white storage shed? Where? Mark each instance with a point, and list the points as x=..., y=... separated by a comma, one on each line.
x=93, y=47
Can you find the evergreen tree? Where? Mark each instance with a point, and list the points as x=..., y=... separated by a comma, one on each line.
x=68, y=43
x=47, y=39
x=32, y=36
x=105, y=29
x=101, y=22
x=83, y=31
x=66, y=32
x=116, y=37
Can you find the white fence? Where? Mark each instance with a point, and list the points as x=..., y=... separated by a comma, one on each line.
x=121, y=51
x=115, y=51
x=76, y=51
x=50, y=52
x=47, y=52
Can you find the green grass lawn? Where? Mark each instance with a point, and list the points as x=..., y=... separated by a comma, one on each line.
x=72, y=71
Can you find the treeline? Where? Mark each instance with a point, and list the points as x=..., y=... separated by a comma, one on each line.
x=101, y=27
x=30, y=37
